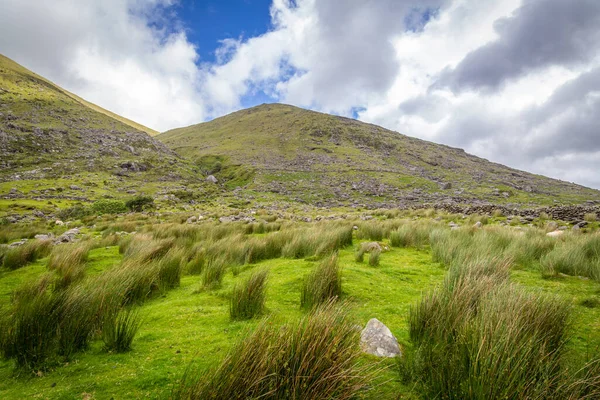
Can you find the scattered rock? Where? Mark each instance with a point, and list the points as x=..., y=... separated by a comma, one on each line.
x=211, y=178
x=68, y=236
x=445, y=186
x=555, y=233
x=478, y=224
x=378, y=340
x=191, y=219
x=373, y=246
x=43, y=237
x=552, y=226
x=59, y=222
x=18, y=243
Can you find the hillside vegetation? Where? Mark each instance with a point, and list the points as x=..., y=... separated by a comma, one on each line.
x=56, y=147
x=322, y=159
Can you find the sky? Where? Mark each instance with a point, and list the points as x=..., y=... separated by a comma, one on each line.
x=513, y=81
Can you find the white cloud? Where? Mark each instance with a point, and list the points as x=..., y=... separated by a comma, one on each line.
x=534, y=107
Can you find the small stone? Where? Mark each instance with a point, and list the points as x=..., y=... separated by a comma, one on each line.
x=211, y=178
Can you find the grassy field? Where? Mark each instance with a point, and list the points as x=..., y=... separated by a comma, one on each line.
x=186, y=324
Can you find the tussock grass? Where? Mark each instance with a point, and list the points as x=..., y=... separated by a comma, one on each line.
x=411, y=235
x=212, y=276
x=17, y=257
x=248, y=297
x=324, y=284
x=579, y=256
x=69, y=262
x=374, y=258
x=119, y=330
x=479, y=337
x=316, y=358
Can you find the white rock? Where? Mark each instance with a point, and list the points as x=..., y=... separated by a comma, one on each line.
x=378, y=340
x=59, y=222
x=555, y=233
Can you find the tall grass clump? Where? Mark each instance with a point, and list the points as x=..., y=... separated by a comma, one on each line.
x=411, y=235
x=19, y=256
x=374, y=258
x=170, y=268
x=196, y=264
x=315, y=358
x=479, y=337
x=212, y=276
x=579, y=256
x=323, y=284
x=119, y=330
x=69, y=262
x=248, y=298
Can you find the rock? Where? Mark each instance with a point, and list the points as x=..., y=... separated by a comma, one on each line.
x=452, y=224
x=18, y=243
x=43, y=237
x=555, y=233
x=552, y=226
x=224, y=220
x=191, y=219
x=563, y=228
x=378, y=340
x=478, y=224
x=211, y=178
x=68, y=236
x=59, y=222
x=445, y=186
x=75, y=187
x=355, y=228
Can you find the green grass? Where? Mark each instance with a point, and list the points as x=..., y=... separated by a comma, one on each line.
x=183, y=324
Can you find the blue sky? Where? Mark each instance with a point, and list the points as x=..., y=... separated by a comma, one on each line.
x=208, y=22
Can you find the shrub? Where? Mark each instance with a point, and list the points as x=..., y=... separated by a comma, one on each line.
x=18, y=257
x=323, y=284
x=316, y=358
x=248, y=298
x=374, y=258
x=108, y=207
x=140, y=203
x=118, y=331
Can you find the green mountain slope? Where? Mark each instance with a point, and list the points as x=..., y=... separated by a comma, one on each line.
x=328, y=160
x=55, y=145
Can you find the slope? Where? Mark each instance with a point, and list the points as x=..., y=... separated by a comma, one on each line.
x=328, y=160
x=55, y=145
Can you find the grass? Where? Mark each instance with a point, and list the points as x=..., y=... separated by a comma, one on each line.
x=248, y=297
x=322, y=285
x=118, y=331
x=317, y=357
x=188, y=324
x=19, y=256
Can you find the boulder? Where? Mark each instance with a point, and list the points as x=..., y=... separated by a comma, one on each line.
x=556, y=233
x=211, y=178
x=18, y=243
x=378, y=340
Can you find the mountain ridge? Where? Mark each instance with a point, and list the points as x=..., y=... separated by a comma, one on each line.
x=302, y=141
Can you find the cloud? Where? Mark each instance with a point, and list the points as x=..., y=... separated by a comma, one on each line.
x=514, y=81
x=539, y=34
x=124, y=55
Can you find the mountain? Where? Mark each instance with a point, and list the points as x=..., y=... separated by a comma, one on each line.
x=321, y=159
x=55, y=145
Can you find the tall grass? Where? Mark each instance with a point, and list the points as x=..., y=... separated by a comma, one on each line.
x=323, y=285
x=17, y=257
x=411, y=235
x=69, y=262
x=579, y=256
x=316, y=358
x=212, y=276
x=479, y=337
x=248, y=298
x=374, y=258
x=118, y=331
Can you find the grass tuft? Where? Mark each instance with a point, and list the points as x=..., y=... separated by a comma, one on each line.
x=248, y=298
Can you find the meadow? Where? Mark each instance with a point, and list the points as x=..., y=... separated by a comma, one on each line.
x=143, y=305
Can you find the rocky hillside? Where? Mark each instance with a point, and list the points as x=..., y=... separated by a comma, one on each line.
x=55, y=145
x=301, y=155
